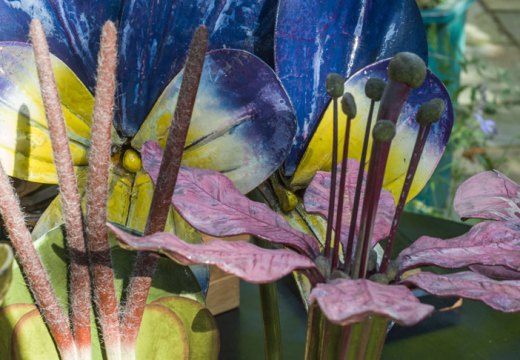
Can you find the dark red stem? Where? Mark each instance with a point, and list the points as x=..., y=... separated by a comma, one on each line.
x=332, y=198
x=341, y=197
x=422, y=136
x=357, y=196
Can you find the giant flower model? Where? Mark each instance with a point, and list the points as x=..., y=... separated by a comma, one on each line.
x=243, y=122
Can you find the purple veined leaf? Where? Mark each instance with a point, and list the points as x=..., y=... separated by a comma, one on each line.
x=498, y=272
x=209, y=202
x=349, y=301
x=240, y=258
x=499, y=199
x=316, y=200
x=500, y=295
x=487, y=243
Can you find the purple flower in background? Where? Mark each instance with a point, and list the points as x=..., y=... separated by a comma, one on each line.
x=488, y=126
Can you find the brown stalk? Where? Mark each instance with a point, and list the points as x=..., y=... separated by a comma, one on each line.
x=97, y=194
x=34, y=272
x=145, y=264
x=70, y=199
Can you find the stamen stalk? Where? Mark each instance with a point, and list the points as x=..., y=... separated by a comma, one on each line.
x=334, y=171
x=357, y=195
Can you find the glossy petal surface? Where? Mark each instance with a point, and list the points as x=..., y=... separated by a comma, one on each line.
x=500, y=295
x=154, y=41
x=488, y=195
x=487, y=243
x=240, y=258
x=349, y=301
x=314, y=38
x=212, y=204
x=319, y=153
x=73, y=28
x=242, y=124
x=26, y=151
x=317, y=201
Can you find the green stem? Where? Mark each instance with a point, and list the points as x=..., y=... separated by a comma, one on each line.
x=366, y=340
x=270, y=315
x=312, y=339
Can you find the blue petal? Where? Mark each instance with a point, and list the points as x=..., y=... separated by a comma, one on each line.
x=73, y=28
x=155, y=36
x=314, y=38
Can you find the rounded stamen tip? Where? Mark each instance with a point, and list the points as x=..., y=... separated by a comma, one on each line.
x=407, y=68
x=374, y=88
x=335, y=85
x=348, y=105
x=384, y=131
x=430, y=111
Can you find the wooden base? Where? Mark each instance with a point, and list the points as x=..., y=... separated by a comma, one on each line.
x=224, y=289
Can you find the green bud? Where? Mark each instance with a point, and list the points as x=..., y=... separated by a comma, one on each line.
x=323, y=265
x=430, y=111
x=372, y=260
x=392, y=271
x=384, y=130
x=407, y=68
x=379, y=278
x=335, y=85
x=338, y=274
x=374, y=88
x=348, y=104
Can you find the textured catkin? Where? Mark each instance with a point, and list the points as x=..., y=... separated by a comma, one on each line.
x=97, y=193
x=35, y=274
x=144, y=267
x=79, y=282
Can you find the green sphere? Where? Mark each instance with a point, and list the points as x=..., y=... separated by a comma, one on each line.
x=407, y=68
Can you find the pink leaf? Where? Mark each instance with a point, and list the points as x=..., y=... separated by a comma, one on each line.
x=240, y=258
x=210, y=202
x=488, y=195
x=487, y=243
x=317, y=201
x=496, y=272
x=349, y=301
x=500, y=295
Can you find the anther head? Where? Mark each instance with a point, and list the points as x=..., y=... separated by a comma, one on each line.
x=384, y=131
x=374, y=88
x=348, y=104
x=430, y=111
x=407, y=68
x=334, y=85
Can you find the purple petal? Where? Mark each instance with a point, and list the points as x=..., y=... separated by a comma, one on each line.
x=210, y=202
x=349, y=301
x=487, y=243
x=240, y=258
x=500, y=295
x=488, y=195
x=313, y=38
x=496, y=272
x=317, y=201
